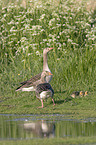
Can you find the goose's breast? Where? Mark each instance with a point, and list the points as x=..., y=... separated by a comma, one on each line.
x=48, y=79
x=45, y=94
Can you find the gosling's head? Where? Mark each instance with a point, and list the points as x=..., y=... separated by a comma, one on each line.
x=81, y=93
x=73, y=95
x=86, y=93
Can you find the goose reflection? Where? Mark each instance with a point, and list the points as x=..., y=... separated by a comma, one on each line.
x=40, y=128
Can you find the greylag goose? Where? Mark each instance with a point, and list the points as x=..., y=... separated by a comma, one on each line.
x=44, y=91
x=29, y=85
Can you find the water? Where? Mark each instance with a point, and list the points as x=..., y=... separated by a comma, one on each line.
x=42, y=126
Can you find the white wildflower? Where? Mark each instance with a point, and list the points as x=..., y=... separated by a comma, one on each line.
x=51, y=21
x=44, y=40
x=48, y=44
x=58, y=36
x=58, y=19
x=41, y=42
x=58, y=48
x=69, y=40
x=63, y=24
x=58, y=25
x=49, y=40
x=6, y=54
x=60, y=33
x=53, y=28
x=34, y=34
x=27, y=26
x=17, y=23
x=64, y=44
x=23, y=39
x=3, y=8
x=4, y=15
x=34, y=47
x=59, y=44
x=30, y=54
x=23, y=60
x=12, y=29
x=42, y=30
x=42, y=17
x=37, y=53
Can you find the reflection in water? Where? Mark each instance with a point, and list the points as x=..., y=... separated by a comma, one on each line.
x=40, y=128
x=26, y=127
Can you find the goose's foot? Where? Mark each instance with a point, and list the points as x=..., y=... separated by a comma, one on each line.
x=42, y=104
x=40, y=107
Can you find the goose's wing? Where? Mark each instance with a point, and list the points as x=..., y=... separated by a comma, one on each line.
x=31, y=82
x=44, y=87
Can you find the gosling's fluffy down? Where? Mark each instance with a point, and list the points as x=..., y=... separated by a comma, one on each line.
x=79, y=93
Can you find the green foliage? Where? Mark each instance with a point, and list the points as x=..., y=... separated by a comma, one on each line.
x=27, y=29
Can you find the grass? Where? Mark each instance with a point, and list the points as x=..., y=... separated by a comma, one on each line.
x=62, y=141
x=29, y=27
x=25, y=31
x=26, y=103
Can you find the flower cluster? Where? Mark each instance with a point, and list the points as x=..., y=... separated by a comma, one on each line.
x=68, y=26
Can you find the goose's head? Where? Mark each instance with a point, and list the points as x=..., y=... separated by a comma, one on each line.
x=46, y=50
x=46, y=73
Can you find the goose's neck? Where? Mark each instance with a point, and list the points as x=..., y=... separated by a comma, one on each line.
x=45, y=63
x=43, y=79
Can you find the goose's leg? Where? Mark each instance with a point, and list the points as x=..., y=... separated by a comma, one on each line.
x=41, y=103
x=53, y=101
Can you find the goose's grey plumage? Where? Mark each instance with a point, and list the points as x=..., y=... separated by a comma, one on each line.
x=44, y=91
x=33, y=82
x=30, y=84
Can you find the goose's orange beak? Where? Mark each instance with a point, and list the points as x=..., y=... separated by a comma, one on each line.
x=50, y=74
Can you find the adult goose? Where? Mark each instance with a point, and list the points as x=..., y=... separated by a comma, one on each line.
x=44, y=90
x=30, y=84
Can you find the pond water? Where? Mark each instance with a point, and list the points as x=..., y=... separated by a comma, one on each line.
x=42, y=126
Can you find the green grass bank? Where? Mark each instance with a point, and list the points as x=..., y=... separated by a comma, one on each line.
x=61, y=141
x=26, y=29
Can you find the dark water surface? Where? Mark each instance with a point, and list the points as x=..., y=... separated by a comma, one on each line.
x=41, y=126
